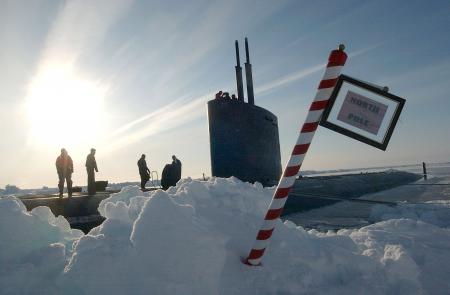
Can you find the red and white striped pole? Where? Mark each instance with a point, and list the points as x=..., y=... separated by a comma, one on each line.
x=335, y=63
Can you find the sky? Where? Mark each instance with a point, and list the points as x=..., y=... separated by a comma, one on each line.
x=131, y=77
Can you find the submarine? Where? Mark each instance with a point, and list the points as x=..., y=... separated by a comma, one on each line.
x=244, y=138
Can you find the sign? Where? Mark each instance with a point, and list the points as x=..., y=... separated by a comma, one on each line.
x=362, y=111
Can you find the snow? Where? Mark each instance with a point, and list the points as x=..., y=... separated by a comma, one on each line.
x=33, y=245
x=191, y=238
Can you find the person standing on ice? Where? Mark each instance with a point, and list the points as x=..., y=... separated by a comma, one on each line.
x=176, y=163
x=144, y=172
x=64, y=168
x=91, y=168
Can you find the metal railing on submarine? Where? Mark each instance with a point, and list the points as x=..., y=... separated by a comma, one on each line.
x=152, y=179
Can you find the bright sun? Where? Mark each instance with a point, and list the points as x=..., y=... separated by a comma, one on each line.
x=64, y=109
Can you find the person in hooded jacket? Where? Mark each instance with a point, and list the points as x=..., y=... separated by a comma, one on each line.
x=171, y=173
x=176, y=163
x=64, y=168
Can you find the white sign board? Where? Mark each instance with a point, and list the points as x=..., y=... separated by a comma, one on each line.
x=362, y=111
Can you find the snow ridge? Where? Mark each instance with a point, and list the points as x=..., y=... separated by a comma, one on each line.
x=191, y=238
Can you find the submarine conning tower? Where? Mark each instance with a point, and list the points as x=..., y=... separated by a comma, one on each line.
x=244, y=140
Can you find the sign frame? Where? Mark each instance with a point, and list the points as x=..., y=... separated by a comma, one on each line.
x=400, y=102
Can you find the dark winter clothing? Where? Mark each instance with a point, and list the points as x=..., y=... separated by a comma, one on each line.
x=171, y=174
x=91, y=167
x=176, y=163
x=144, y=172
x=167, y=177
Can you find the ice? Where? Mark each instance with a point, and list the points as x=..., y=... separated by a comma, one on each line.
x=191, y=239
x=422, y=200
x=432, y=212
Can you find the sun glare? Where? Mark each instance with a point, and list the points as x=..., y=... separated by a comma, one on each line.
x=64, y=109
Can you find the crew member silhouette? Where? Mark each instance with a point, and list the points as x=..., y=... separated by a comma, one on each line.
x=171, y=173
x=176, y=163
x=64, y=168
x=91, y=168
x=219, y=94
x=144, y=172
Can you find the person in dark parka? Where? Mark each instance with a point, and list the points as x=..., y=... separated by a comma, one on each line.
x=176, y=163
x=91, y=166
x=64, y=168
x=144, y=172
x=167, y=177
x=171, y=173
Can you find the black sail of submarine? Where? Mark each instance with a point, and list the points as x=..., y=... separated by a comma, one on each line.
x=244, y=140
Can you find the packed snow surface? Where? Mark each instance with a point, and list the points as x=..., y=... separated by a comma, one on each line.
x=191, y=239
